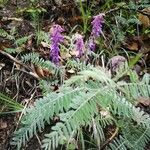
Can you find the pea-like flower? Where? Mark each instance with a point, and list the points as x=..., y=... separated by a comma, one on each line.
x=97, y=25
x=79, y=44
x=56, y=38
x=91, y=44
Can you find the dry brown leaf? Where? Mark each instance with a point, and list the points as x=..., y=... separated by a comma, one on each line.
x=42, y=72
x=71, y=71
x=144, y=101
x=133, y=46
x=29, y=44
x=145, y=20
x=3, y=124
x=39, y=71
x=44, y=44
x=47, y=73
x=65, y=55
x=105, y=113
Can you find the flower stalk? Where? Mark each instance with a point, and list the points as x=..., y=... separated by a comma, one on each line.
x=56, y=38
x=79, y=44
x=97, y=25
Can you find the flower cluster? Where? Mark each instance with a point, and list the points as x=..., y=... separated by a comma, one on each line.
x=56, y=38
x=79, y=44
x=96, y=30
x=91, y=44
x=97, y=25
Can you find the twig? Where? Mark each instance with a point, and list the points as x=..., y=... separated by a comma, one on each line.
x=23, y=111
x=110, y=139
x=40, y=143
x=15, y=60
x=111, y=10
x=20, y=63
x=139, y=11
x=11, y=19
x=29, y=73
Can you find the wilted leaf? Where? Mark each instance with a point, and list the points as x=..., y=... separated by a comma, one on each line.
x=145, y=20
x=3, y=125
x=42, y=72
x=105, y=113
x=71, y=71
x=133, y=46
x=39, y=72
x=44, y=44
x=143, y=101
x=65, y=55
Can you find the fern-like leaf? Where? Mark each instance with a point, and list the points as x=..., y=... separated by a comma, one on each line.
x=42, y=112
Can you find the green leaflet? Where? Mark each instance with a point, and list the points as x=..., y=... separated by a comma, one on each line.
x=99, y=101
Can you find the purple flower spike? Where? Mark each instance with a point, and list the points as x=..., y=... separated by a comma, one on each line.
x=56, y=38
x=91, y=44
x=97, y=25
x=79, y=44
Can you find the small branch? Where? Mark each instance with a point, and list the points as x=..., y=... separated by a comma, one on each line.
x=111, y=10
x=23, y=111
x=139, y=11
x=40, y=143
x=14, y=59
x=20, y=63
x=12, y=19
x=29, y=73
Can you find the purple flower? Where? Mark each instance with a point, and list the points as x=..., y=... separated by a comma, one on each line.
x=56, y=38
x=91, y=44
x=79, y=44
x=55, y=53
x=97, y=25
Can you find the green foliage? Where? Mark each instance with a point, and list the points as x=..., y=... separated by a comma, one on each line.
x=10, y=103
x=134, y=138
x=77, y=65
x=34, y=12
x=85, y=16
x=81, y=102
x=122, y=22
x=47, y=86
x=53, y=102
x=42, y=36
x=22, y=40
x=13, y=50
x=5, y=34
x=3, y=2
x=18, y=43
x=45, y=64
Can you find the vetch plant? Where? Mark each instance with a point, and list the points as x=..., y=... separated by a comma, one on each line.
x=81, y=103
x=91, y=44
x=56, y=38
x=97, y=24
x=79, y=44
x=90, y=99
